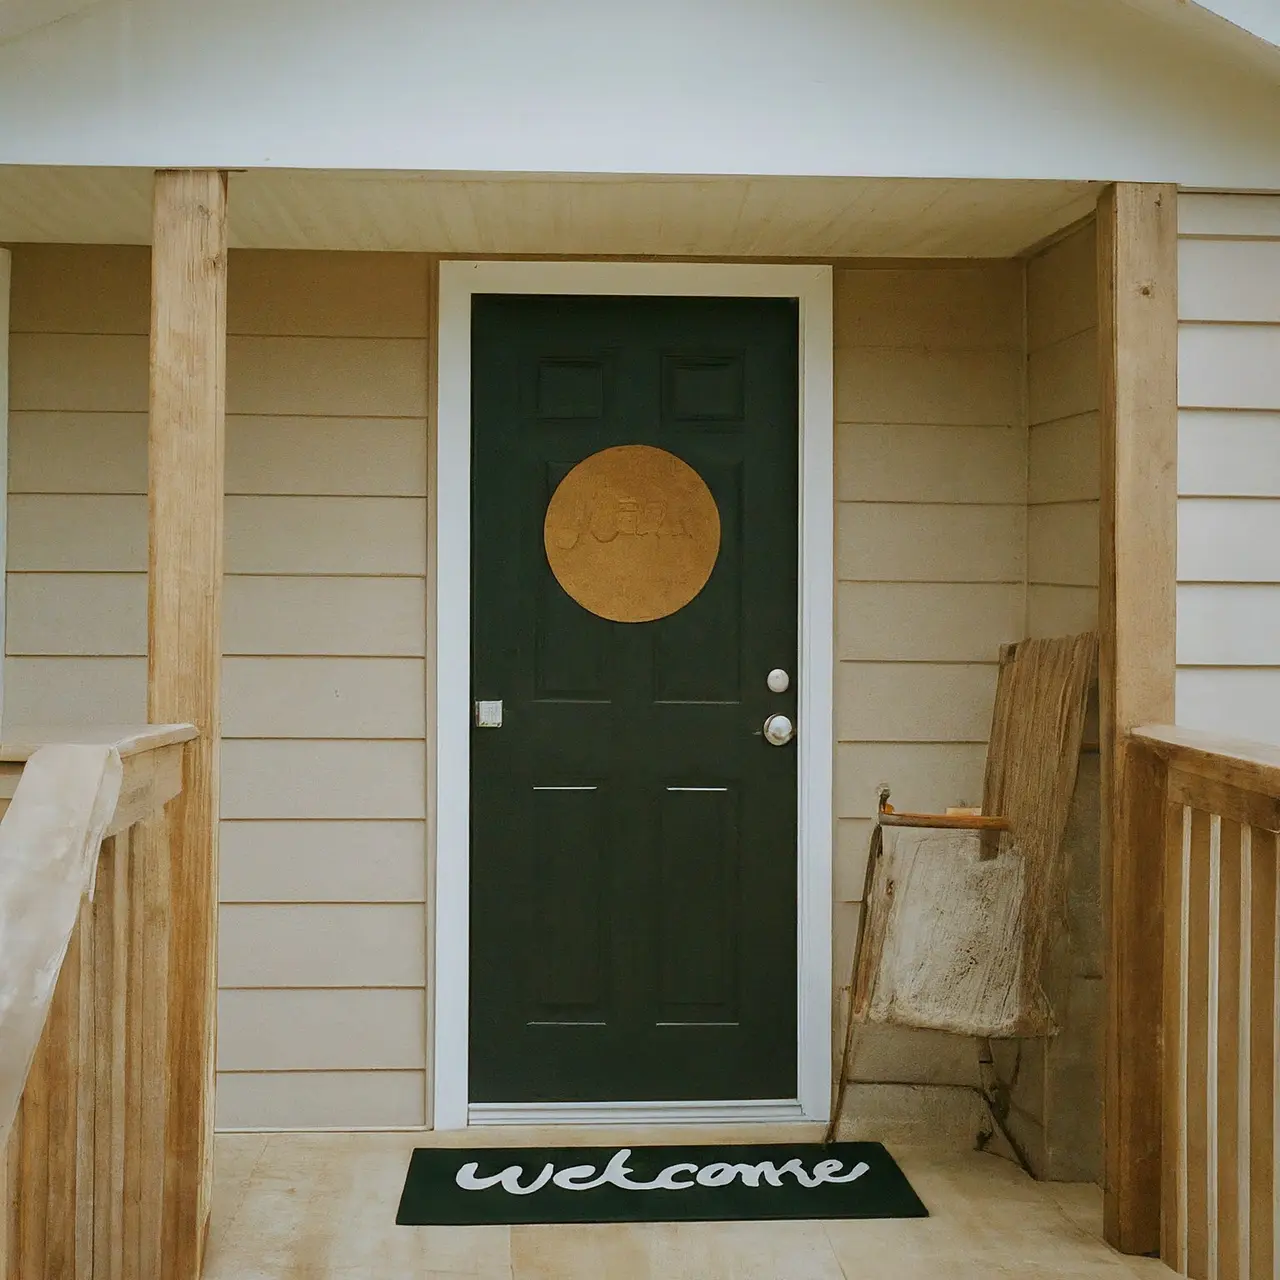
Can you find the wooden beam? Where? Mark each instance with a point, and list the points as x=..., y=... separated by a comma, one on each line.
x=184, y=654
x=1138, y=349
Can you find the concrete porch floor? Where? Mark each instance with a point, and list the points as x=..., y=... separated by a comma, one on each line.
x=306, y=1206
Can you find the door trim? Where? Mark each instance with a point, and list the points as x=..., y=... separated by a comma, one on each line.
x=451, y=534
x=765, y=1111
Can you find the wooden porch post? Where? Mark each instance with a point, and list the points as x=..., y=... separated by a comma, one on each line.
x=1138, y=345
x=184, y=653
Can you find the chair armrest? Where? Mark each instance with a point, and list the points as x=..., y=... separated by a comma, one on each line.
x=946, y=821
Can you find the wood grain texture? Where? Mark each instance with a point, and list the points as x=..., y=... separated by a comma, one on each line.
x=1264, y=910
x=110, y=996
x=1213, y=796
x=148, y=1038
x=88, y=1176
x=1200, y=1041
x=1174, y=1056
x=186, y=464
x=1246, y=766
x=1227, y=1218
x=1138, y=338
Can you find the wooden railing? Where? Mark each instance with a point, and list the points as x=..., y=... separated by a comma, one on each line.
x=85, y=1173
x=1221, y=1058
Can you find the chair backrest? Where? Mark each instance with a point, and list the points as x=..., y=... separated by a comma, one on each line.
x=1037, y=727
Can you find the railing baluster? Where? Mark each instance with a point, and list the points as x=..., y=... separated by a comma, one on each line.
x=1225, y=1262
x=1177, y=918
x=61, y=1052
x=85, y=1084
x=1262, y=1055
x=1213, y=1049
x=1198, y=1045
x=1274, y=1026
x=1244, y=1056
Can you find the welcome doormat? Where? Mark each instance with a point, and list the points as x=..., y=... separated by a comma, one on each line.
x=503, y=1186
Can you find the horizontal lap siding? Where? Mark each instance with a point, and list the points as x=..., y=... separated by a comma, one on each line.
x=1063, y=450
x=323, y=930
x=1229, y=464
x=1054, y=1085
x=931, y=559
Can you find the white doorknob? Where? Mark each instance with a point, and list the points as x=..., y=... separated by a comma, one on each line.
x=778, y=730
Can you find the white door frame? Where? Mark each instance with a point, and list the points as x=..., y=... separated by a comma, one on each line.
x=811, y=286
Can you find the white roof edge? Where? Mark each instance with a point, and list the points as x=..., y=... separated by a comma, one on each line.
x=1260, y=18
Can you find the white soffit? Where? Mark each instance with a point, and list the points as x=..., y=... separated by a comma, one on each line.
x=558, y=214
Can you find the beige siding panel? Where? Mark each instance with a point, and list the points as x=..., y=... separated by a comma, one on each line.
x=1236, y=280
x=52, y=452
x=323, y=698
x=845, y=923
x=77, y=533
x=914, y=702
x=75, y=691
x=853, y=844
x=949, y=388
x=309, y=779
x=65, y=288
x=923, y=776
x=879, y=463
x=888, y=542
x=1064, y=461
x=1228, y=215
x=351, y=1030
x=77, y=613
x=1062, y=380
x=1062, y=289
x=1230, y=366
x=340, y=616
x=1229, y=625
x=104, y=373
x=1062, y=544
x=927, y=621
x=1229, y=466
x=328, y=377
x=1229, y=454
x=326, y=294
x=1061, y=611
x=378, y=457
x=323, y=862
x=321, y=1099
x=962, y=308
x=326, y=535
x=1221, y=540
x=1243, y=702
x=313, y=945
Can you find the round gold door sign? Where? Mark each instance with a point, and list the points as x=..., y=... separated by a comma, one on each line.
x=632, y=533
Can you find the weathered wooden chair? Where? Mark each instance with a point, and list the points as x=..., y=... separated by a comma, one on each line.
x=959, y=908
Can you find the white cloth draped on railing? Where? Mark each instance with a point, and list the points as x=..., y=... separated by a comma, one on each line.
x=49, y=842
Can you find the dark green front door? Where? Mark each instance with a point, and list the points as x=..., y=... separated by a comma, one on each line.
x=633, y=835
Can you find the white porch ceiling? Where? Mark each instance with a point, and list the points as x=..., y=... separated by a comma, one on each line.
x=773, y=217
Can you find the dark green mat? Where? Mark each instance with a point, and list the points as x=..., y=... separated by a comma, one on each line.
x=470, y=1186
